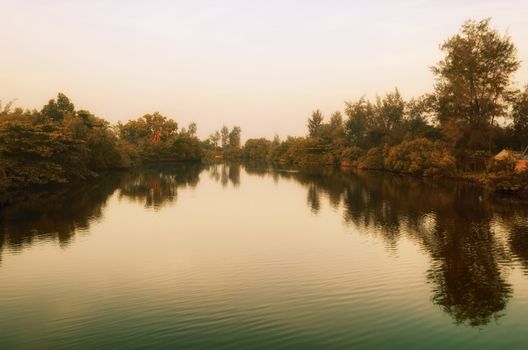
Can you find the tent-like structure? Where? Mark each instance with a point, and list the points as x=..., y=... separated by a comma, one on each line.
x=520, y=158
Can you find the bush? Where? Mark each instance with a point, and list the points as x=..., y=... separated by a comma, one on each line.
x=256, y=149
x=502, y=166
x=421, y=157
x=507, y=182
x=375, y=159
x=351, y=155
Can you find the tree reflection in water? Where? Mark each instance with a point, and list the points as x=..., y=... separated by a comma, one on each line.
x=157, y=185
x=458, y=224
x=224, y=173
x=471, y=237
x=55, y=215
x=60, y=214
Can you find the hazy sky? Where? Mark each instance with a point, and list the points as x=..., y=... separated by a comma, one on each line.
x=263, y=65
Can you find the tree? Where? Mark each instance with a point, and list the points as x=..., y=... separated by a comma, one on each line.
x=315, y=122
x=336, y=120
x=520, y=119
x=192, y=129
x=56, y=110
x=224, y=136
x=38, y=152
x=5, y=109
x=390, y=111
x=256, y=149
x=214, y=138
x=335, y=127
x=359, y=115
x=234, y=137
x=152, y=134
x=418, y=116
x=105, y=149
x=473, y=81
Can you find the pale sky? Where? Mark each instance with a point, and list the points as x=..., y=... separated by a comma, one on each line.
x=262, y=65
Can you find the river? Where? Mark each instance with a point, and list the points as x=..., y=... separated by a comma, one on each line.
x=246, y=256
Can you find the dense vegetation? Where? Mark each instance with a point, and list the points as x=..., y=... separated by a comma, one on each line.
x=59, y=144
x=473, y=112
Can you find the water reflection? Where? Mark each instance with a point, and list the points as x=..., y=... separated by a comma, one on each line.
x=55, y=215
x=471, y=237
x=454, y=222
x=156, y=186
x=224, y=173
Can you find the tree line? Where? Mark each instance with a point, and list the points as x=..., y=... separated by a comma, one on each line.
x=473, y=111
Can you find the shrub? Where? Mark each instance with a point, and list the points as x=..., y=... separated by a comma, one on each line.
x=375, y=159
x=352, y=154
x=421, y=157
x=504, y=166
x=507, y=182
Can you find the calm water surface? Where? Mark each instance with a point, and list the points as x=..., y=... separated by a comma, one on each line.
x=249, y=257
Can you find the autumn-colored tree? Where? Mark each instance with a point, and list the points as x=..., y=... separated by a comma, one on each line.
x=152, y=134
x=473, y=83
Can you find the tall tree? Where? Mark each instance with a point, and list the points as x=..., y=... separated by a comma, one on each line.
x=234, y=137
x=214, y=138
x=390, y=110
x=359, y=114
x=192, y=129
x=473, y=81
x=315, y=122
x=224, y=136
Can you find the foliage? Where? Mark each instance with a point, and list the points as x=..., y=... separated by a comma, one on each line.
x=473, y=83
x=373, y=124
x=458, y=121
x=507, y=181
x=59, y=144
x=234, y=137
x=34, y=151
x=374, y=159
x=156, y=138
x=57, y=110
x=351, y=155
x=314, y=123
x=256, y=149
x=520, y=119
x=421, y=157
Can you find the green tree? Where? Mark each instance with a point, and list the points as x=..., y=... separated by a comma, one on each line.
x=152, y=135
x=234, y=137
x=37, y=152
x=224, y=136
x=473, y=83
x=419, y=114
x=57, y=109
x=315, y=123
x=256, y=149
x=358, y=114
x=390, y=111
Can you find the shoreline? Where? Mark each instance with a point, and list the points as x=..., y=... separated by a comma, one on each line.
x=476, y=179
